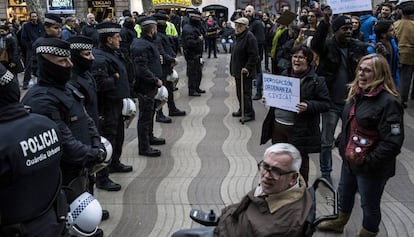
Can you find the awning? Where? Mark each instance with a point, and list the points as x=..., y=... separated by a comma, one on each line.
x=171, y=3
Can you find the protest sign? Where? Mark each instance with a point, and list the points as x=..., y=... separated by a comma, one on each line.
x=345, y=6
x=281, y=92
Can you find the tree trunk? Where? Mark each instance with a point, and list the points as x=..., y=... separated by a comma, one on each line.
x=147, y=6
x=35, y=6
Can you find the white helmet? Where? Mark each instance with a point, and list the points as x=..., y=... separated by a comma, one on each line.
x=108, y=158
x=84, y=216
x=128, y=107
x=400, y=2
x=162, y=94
x=173, y=76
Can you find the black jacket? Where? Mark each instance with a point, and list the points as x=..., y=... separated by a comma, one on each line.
x=192, y=43
x=257, y=27
x=30, y=33
x=146, y=57
x=90, y=31
x=245, y=54
x=165, y=43
x=306, y=135
x=107, y=63
x=13, y=53
x=30, y=175
x=330, y=60
x=381, y=112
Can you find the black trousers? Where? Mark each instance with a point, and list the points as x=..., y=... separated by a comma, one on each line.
x=170, y=89
x=247, y=94
x=194, y=74
x=145, y=122
x=112, y=128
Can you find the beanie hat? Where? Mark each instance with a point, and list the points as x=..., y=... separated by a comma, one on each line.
x=340, y=21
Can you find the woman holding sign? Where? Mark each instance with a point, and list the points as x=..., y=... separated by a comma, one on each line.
x=300, y=128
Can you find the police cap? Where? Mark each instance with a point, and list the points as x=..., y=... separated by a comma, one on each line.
x=80, y=42
x=53, y=19
x=108, y=27
x=53, y=46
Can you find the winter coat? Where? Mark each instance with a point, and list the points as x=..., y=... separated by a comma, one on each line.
x=382, y=112
x=306, y=132
x=245, y=54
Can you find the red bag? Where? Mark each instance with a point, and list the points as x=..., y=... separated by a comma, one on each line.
x=361, y=141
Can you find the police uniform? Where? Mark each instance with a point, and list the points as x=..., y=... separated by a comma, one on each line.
x=193, y=50
x=146, y=56
x=30, y=178
x=112, y=83
x=64, y=105
x=165, y=43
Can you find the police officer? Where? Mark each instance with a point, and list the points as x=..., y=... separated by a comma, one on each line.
x=53, y=29
x=112, y=84
x=193, y=49
x=81, y=79
x=147, y=59
x=30, y=179
x=165, y=44
x=50, y=97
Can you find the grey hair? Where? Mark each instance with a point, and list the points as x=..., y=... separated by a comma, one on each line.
x=286, y=148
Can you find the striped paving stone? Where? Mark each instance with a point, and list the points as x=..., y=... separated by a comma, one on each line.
x=210, y=160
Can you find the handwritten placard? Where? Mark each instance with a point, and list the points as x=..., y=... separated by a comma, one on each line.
x=281, y=92
x=344, y=6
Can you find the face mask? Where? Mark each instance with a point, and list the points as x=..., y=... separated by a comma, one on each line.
x=81, y=63
x=52, y=73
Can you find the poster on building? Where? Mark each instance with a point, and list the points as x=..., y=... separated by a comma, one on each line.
x=345, y=6
x=61, y=6
x=281, y=92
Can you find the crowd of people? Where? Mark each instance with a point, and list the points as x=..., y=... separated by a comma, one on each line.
x=83, y=75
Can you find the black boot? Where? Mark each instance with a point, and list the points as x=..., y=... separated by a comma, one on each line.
x=161, y=118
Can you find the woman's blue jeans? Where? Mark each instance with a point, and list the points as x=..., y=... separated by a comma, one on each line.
x=370, y=189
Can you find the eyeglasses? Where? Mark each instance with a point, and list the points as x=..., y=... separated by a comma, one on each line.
x=298, y=57
x=274, y=172
x=364, y=70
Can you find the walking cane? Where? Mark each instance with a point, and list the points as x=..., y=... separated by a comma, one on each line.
x=242, y=97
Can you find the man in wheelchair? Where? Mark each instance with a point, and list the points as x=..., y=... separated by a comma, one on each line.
x=278, y=206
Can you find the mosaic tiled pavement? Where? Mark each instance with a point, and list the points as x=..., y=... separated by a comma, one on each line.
x=210, y=159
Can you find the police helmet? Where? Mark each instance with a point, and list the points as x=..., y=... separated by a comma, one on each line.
x=84, y=216
x=128, y=107
x=162, y=94
x=173, y=77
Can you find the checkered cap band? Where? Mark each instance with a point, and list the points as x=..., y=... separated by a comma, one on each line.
x=78, y=210
x=53, y=50
x=6, y=78
x=109, y=30
x=81, y=46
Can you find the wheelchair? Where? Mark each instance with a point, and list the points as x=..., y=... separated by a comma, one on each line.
x=210, y=219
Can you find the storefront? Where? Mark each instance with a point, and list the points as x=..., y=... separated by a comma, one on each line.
x=17, y=9
x=102, y=9
x=168, y=5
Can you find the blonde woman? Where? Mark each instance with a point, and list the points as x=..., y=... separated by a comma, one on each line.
x=371, y=138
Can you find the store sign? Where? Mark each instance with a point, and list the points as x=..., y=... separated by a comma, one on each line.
x=60, y=6
x=110, y=3
x=186, y=3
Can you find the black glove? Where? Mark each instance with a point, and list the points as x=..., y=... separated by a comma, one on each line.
x=102, y=153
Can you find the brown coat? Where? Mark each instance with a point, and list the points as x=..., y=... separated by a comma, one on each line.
x=281, y=214
x=404, y=31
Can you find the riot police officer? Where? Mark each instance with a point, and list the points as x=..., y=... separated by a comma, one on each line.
x=146, y=56
x=30, y=179
x=112, y=84
x=64, y=105
x=193, y=49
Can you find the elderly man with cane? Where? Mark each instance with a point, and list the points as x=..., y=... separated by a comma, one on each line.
x=243, y=62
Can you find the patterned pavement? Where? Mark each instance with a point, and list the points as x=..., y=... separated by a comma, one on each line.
x=210, y=159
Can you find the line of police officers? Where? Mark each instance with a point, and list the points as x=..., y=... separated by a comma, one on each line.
x=79, y=97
